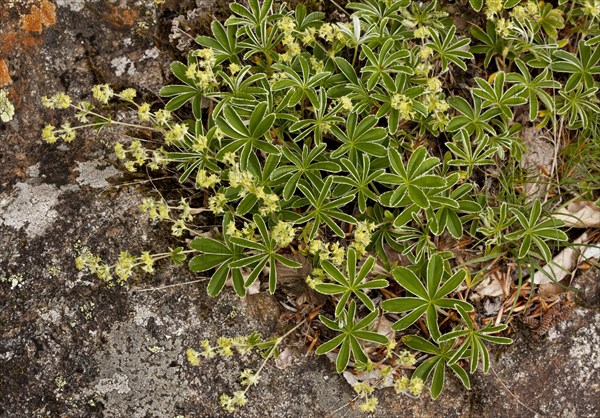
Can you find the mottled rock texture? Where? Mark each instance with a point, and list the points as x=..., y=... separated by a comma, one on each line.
x=70, y=347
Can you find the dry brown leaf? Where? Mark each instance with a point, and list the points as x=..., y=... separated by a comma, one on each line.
x=580, y=215
x=562, y=265
x=489, y=287
x=538, y=161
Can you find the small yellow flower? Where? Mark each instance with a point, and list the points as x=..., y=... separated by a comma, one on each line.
x=217, y=203
x=192, y=356
x=403, y=105
x=148, y=262
x=128, y=95
x=308, y=36
x=422, y=32
x=283, y=233
x=234, y=68
x=425, y=52
x=401, y=384
x=249, y=378
x=144, y=112
x=286, y=24
x=68, y=133
x=416, y=386
x=369, y=405
x=102, y=92
x=163, y=117
x=207, y=350
x=346, y=103
x=120, y=151
x=48, y=134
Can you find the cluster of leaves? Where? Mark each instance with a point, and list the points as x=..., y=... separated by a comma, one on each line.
x=347, y=143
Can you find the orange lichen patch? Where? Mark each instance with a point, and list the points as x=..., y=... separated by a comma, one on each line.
x=39, y=17
x=12, y=41
x=4, y=75
x=48, y=10
x=121, y=17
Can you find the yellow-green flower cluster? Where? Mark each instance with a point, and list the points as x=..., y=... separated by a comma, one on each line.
x=205, y=180
x=87, y=260
x=333, y=252
x=270, y=203
x=329, y=33
x=102, y=92
x=309, y=36
x=249, y=378
x=287, y=25
x=421, y=32
x=176, y=134
x=529, y=10
x=202, y=71
x=144, y=112
x=316, y=277
x=403, y=105
x=217, y=203
x=124, y=266
x=136, y=151
x=246, y=232
x=178, y=227
x=192, y=356
x=493, y=8
x=362, y=236
x=406, y=359
x=504, y=27
x=369, y=405
x=128, y=95
x=346, y=103
x=49, y=134
x=242, y=179
x=363, y=388
x=147, y=262
x=155, y=209
x=231, y=403
x=163, y=117
x=207, y=350
x=225, y=346
x=292, y=48
x=283, y=233
x=58, y=101
x=7, y=110
x=234, y=68
x=200, y=143
x=414, y=385
x=186, y=210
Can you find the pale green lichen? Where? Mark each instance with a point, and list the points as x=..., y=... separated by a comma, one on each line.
x=7, y=110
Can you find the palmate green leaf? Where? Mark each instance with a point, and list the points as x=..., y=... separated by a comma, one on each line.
x=414, y=179
x=351, y=285
x=435, y=366
x=261, y=254
x=582, y=68
x=361, y=136
x=220, y=255
x=536, y=230
x=449, y=49
x=351, y=332
x=360, y=181
x=433, y=294
x=474, y=341
x=493, y=95
x=324, y=211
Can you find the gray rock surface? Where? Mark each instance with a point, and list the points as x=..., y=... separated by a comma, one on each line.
x=70, y=346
